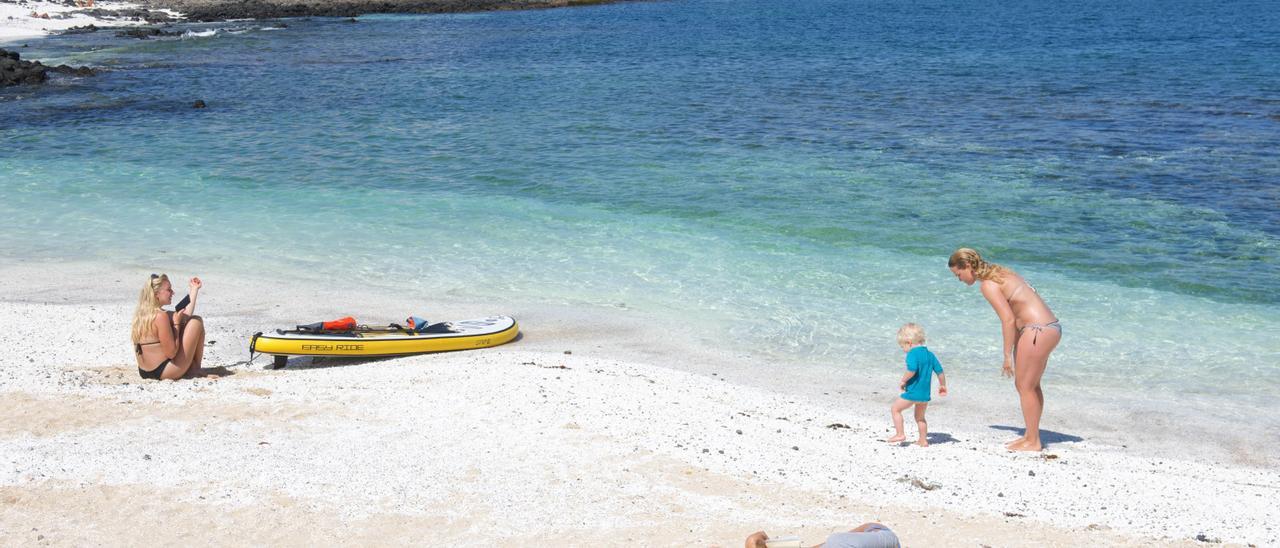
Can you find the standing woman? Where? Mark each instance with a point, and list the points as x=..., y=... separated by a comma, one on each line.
x=1029, y=328
x=167, y=345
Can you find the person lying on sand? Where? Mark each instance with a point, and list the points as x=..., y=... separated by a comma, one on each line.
x=867, y=535
x=168, y=345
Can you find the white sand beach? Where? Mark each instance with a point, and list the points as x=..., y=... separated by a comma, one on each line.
x=587, y=431
x=25, y=19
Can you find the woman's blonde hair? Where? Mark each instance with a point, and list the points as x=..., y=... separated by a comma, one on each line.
x=982, y=270
x=144, y=316
x=911, y=333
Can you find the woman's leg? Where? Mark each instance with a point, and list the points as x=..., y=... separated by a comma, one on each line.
x=198, y=350
x=895, y=410
x=921, y=425
x=190, y=344
x=1030, y=359
x=1023, y=437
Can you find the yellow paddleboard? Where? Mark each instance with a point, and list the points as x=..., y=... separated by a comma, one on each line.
x=386, y=341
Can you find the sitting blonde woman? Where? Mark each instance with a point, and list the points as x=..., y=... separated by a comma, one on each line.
x=168, y=345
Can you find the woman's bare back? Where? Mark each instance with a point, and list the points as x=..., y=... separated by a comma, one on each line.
x=150, y=354
x=1025, y=302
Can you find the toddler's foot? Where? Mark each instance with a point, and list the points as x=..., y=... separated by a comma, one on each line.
x=923, y=442
x=896, y=439
x=1012, y=443
x=1025, y=446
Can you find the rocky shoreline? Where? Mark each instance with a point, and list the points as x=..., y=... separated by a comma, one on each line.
x=37, y=17
x=14, y=71
x=218, y=10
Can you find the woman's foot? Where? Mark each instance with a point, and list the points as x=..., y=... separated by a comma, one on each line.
x=1025, y=445
x=896, y=439
x=923, y=442
x=1012, y=443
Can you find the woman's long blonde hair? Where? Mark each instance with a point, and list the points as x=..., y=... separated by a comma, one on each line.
x=982, y=270
x=144, y=317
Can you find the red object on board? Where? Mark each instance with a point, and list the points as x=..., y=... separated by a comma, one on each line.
x=344, y=324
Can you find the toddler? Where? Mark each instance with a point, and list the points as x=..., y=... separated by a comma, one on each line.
x=921, y=365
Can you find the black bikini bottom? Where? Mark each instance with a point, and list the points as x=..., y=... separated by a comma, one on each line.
x=154, y=373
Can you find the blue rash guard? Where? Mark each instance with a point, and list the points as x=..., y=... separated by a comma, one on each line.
x=924, y=364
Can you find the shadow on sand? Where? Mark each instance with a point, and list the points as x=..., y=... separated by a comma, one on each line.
x=219, y=371
x=1047, y=437
x=299, y=363
x=933, y=437
x=939, y=437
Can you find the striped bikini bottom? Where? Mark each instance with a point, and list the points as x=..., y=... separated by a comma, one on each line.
x=1038, y=327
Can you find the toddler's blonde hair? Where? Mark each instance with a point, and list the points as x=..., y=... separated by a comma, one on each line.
x=911, y=333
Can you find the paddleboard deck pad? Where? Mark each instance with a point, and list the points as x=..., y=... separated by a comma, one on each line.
x=386, y=341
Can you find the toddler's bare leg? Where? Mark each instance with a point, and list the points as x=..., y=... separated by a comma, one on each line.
x=921, y=425
x=895, y=411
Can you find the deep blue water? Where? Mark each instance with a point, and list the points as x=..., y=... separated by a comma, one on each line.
x=791, y=169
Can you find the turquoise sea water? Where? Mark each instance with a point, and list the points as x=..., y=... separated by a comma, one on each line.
x=790, y=176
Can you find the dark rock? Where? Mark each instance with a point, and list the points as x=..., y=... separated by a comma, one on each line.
x=135, y=14
x=147, y=32
x=14, y=71
x=86, y=29
x=74, y=71
x=199, y=104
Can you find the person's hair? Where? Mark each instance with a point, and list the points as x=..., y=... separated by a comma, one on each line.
x=144, y=316
x=911, y=333
x=982, y=270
